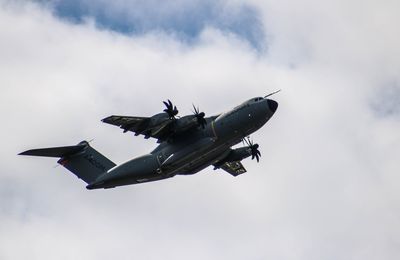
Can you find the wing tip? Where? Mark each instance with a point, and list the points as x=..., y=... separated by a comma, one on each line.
x=105, y=119
x=109, y=119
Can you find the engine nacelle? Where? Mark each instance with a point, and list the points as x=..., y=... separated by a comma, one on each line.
x=158, y=119
x=235, y=155
x=185, y=123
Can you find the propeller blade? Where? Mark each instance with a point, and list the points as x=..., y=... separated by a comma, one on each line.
x=166, y=104
x=253, y=149
x=246, y=141
x=273, y=93
x=195, y=110
x=171, y=110
x=200, y=116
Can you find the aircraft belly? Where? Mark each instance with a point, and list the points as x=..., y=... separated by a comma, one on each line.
x=199, y=162
x=141, y=167
x=188, y=153
x=135, y=180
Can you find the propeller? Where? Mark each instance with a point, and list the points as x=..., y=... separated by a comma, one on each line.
x=273, y=93
x=200, y=117
x=171, y=110
x=255, y=153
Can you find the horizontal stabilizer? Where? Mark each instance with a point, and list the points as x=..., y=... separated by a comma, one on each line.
x=81, y=159
x=55, y=151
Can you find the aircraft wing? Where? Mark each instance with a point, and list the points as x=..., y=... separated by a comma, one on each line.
x=234, y=168
x=139, y=125
x=128, y=123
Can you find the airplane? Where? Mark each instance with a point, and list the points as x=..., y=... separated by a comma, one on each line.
x=187, y=145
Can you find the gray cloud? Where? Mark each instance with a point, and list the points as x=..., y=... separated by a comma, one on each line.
x=184, y=20
x=386, y=101
x=327, y=185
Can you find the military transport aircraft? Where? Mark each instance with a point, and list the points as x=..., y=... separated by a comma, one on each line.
x=188, y=144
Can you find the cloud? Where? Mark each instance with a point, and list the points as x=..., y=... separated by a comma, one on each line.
x=327, y=184
x=183, y=19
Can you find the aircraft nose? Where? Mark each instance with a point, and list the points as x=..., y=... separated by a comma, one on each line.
x=272, y=104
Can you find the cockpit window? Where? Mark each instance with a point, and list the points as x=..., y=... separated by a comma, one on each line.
x=257, y=99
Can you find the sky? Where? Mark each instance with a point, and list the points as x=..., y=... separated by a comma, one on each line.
x=327, y=183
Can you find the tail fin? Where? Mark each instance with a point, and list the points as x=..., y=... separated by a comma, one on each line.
x=82, y=160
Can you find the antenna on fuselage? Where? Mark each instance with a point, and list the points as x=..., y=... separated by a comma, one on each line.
x=273, y=93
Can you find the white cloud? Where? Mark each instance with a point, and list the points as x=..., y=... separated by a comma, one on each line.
x=327, y=185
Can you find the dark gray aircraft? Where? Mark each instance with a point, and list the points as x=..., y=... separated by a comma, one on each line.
x=187, y=145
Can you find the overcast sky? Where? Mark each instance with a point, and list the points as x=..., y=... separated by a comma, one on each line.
x=327, y=185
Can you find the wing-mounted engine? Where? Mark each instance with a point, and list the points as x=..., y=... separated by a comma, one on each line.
x=231, y=162
x=201, y=121
x=155, y=126
x=184, y=124
x=158, y=126
x=162, y=126
x=171, y=126
x=234, y=155
x=171, y=110
x=189, y=122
